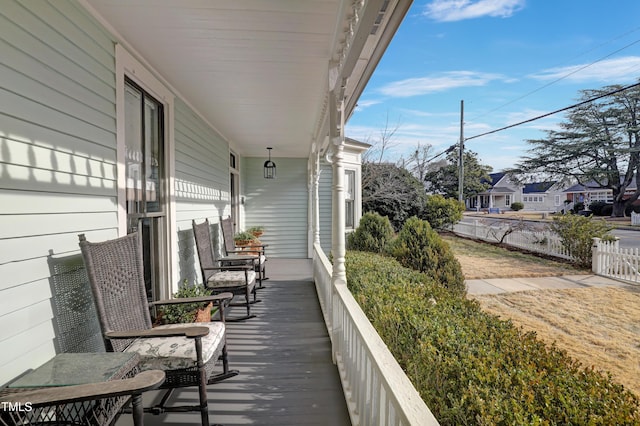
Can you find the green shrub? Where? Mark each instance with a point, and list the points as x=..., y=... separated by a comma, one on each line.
x=184, y=313
x=596, y=207
x=442, y=212
x=631, y=208
x=373, y=234
x=473, y=368
x=517, y=206
x=578, y=206
x=419, y=247
x=577, y=233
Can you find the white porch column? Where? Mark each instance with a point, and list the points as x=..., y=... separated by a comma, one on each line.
x=336, y=135
x=316, y=198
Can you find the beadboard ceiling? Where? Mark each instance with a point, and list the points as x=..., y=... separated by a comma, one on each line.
x=257, y=70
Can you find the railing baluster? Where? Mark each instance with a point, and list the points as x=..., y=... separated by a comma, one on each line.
x=377, y=390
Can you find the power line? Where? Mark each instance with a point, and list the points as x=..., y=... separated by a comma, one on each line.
x=566, y=75
x=555, y=112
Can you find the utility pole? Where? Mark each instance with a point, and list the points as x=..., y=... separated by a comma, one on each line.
x=461, y=158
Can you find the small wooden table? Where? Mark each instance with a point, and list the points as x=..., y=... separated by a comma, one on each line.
x=68, y=370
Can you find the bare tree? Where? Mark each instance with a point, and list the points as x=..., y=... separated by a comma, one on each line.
x=379, y=148
x=419, y=161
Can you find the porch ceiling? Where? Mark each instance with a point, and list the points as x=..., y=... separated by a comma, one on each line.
x=256, y=70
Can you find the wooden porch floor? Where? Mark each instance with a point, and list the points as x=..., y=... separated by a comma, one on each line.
x=284, y=357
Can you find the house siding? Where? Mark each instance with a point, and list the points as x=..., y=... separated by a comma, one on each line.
x=57, y=162
x=58, y=174
x=280, y=205
x=202, y=184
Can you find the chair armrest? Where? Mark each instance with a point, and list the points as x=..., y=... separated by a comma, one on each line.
x=239, y=257
x=147, y=380
x=186, y=331
x=230, y=268
x=215, y=298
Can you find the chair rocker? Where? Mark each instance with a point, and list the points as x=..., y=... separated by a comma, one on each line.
x=187, y=353
x=239, y=279
x=237, y=255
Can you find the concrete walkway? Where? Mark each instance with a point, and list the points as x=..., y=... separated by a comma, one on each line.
x=504, y=285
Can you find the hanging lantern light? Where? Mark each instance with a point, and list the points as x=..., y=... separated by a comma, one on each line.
x=269, y=167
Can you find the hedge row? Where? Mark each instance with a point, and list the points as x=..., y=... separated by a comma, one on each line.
x=473, y=368
x=417, y=246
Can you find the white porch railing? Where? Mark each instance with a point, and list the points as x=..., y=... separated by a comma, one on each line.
x=376, y=389
x=544, y=242
x=610, y=260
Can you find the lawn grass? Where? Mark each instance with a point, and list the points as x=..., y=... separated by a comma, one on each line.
x=484, y=260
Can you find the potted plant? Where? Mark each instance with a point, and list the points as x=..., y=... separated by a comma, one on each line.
x=187, y=312
x=257, y=231
x=243, y=238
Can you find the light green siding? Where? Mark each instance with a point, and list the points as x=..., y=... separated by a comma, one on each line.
x=280, y=205
x=58, y=165
x=57, y=162
x=202, y=182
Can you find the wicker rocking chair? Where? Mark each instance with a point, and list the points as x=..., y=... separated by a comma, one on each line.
x=187, y=353
x=221, y=275
x=233, y=252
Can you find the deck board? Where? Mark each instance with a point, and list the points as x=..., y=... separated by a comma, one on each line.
x=284, y=357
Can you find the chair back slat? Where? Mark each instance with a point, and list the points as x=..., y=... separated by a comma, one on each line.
x=75, y=318
x=204, y=245
x=227, y=234
x=116, y=273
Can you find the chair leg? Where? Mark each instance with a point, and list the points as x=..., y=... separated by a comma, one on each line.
x=202, y=386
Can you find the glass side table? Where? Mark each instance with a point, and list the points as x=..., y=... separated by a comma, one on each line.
x=68, y=369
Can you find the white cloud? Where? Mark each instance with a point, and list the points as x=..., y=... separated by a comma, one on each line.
x=437, y=83
x=362, y=104
x=458, y=10
x=610, y=70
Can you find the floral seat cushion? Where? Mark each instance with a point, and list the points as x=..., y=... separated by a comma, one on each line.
x=173, y=353
x=231, y=279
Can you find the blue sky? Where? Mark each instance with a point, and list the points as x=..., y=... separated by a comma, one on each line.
x=502, y=57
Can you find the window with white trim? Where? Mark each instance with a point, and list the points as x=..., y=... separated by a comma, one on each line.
x=349, y=198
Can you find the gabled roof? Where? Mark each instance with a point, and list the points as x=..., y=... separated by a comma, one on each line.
x=593, y=186
x=501, y=190
x=537, y=187
x=495, y=178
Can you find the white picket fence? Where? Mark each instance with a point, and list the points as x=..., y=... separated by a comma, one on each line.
x=611, y=261
x=635, y=219
x=544, y=242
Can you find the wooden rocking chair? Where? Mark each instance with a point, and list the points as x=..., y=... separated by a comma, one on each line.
x=187, y=353
x=219, y=277
x=232, y=251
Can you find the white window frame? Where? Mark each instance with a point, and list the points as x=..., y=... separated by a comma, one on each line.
x=127, y=65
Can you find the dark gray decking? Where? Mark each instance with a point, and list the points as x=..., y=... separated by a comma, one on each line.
x=284, y=357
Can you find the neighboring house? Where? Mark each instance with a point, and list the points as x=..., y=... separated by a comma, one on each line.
x=502, y=192
x=119, y=116
x=592, y=192
x=541, y=196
